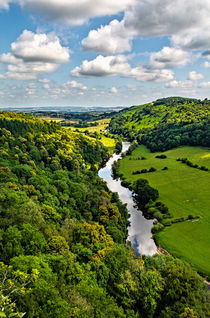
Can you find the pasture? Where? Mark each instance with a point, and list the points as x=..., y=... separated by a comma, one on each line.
x=186, y=191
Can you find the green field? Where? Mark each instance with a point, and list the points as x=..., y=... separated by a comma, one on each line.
x=101, y=126
x=185, y=191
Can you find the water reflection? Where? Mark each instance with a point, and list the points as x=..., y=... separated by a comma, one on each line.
x=139, y=231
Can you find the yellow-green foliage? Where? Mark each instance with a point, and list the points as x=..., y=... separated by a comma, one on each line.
x=99, y=128
x=149, y=115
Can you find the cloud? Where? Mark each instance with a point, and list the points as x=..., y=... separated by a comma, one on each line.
x=197, y=39
x=166, y=17
x=113, y=38
x=206, y=64
x=33, y=47
x=30, y=90
x=74, y=85
x=193, y=76
x=46, y=86
x=73, y=11
x=34, y=54
x=44, y=80
x=204, y=85
x=169, y=57
x=72, y=88
x=114, y=90
x=118, y=65
x=9, y=59
x=206, y=54
x=146, y=74
x=187, y=23
x=102, y=66
x=32, y=68
x=179, y=84
x=4, y=4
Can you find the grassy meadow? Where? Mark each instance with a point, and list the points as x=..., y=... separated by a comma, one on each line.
x=100, y=127
x=185, y=191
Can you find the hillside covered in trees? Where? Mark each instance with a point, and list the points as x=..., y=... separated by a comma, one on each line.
x=166, y=123
x=63, y=250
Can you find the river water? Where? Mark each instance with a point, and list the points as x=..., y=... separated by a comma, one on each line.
x=139, y=231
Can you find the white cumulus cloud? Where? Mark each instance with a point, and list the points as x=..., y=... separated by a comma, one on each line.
x=206, y=64
x=118, y=65
x=34, y=54
x=75, y=11
x=194, y=76
x=169, y=57
x=102, y=66
x=41, y=47
x=74, y=85
x=146, y=74
x=187, y=24
x=113, y=38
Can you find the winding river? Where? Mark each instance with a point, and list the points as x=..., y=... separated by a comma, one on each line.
x=139, y=231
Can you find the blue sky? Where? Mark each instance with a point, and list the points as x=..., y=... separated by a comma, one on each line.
x=103, y=53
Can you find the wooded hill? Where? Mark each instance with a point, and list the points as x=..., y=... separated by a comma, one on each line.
x=166, y=123
x=63, y=250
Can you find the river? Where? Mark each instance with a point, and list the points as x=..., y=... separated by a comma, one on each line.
x=139, y=231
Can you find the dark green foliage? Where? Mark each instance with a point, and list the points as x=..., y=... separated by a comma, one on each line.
x=118, y=146
x=152, y=169
x=165, y=124
x=190, y=164
x=144, y=192
x=116, y=169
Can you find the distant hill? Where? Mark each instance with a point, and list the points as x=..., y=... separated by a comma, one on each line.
x=165, y=123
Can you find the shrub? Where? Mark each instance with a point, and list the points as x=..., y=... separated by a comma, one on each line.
x=161, y=156
x=152, y=169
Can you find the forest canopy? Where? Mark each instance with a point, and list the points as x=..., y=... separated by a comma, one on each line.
x=63, y=250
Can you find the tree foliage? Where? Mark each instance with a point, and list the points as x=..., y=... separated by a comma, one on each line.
x=63, y=248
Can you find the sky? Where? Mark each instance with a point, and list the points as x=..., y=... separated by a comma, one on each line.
x=103, y=52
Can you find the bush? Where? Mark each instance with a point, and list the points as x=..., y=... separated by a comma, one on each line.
x=144, y=192
x=144, y=171
x=158, y=215
x=152, y=169
x=125, y=183
x=157, y=228
x=161, y=156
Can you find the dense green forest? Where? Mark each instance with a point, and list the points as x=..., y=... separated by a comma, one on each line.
x=63, y=250
x=166, y=123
